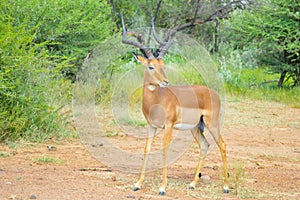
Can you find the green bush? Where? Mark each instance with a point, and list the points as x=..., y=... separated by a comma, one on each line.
x=276, y=34
x=30, y=87
x=244, y=77
x=258, y=84
x=72, y=28
x=41, y=43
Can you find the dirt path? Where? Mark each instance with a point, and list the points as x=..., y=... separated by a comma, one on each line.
x=263, y=143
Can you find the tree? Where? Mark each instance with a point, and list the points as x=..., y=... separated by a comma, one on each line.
x=40, y=40
x=71, y=28
x=274, y=28
x=197, y=17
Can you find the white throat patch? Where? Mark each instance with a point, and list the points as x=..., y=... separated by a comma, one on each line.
x=151, y=87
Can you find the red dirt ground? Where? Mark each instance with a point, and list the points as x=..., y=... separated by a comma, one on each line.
x=263, y=144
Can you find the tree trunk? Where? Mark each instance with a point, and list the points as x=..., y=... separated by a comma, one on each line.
x=297, y=78
x=216, y=42
x=282, y=76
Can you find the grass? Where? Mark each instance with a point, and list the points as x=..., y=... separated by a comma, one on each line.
x=4, y=154
x=285, y=96
x=250, y=83
x=46, y=159
x=109, y=133
x=134, y=122
x=238, y=183
x=237, y=176
x=11, y=145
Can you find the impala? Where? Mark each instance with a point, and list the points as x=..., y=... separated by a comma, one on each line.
x=175, y=107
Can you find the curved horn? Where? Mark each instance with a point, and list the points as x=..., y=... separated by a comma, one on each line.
x=139, y=44
x=155, y=35
x=164, y=49
x=164, y=46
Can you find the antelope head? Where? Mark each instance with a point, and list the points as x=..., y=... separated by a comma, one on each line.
x=153, y=62
x=154, y=71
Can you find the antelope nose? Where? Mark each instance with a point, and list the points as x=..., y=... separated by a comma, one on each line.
x=166, y=82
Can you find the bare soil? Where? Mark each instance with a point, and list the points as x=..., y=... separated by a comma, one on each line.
x=263, y=144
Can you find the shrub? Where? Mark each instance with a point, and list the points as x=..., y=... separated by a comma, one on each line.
x=29, y=86
x=71, y=28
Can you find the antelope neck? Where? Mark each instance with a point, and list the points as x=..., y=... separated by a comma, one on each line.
x=151, y=87
x=148, y=83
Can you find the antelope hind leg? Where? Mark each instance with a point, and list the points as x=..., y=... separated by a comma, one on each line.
x=203, y=145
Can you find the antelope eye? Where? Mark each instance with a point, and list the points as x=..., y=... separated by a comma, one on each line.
x=151, y=68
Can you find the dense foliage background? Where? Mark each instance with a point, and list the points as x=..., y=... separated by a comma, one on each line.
x=256, y=45
x=42, y=46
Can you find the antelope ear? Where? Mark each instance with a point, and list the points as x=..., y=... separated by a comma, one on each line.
x=140, y=59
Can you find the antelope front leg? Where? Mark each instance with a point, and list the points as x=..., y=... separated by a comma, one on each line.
x=147, y=150
x=167, y=139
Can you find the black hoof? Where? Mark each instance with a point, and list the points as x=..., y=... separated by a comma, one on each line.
x=226, y=191
x=162, y=193
x=191, y=188
x=136, y=189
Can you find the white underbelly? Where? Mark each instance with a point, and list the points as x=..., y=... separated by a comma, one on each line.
x=184, y=126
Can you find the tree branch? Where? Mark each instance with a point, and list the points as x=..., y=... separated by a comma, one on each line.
x=221, y=13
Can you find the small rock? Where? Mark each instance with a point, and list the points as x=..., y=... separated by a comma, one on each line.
x=215, y=167
x=32, y=196
x=51, y=148
x=97, y=145
x=12, y=197
x=205, y=178
x=114, y=178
